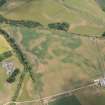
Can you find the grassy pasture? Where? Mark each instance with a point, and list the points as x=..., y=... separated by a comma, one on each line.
x=65, y=61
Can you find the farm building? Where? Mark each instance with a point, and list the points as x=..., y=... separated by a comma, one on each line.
x=8, y=66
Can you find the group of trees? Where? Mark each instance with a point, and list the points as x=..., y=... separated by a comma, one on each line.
x=25, y=23
x=2, y=2
x=59, y=26
x=5, y=55
x=103, y=34
x=13, y=76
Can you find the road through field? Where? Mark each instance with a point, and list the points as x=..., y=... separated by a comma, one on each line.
x=50, y=98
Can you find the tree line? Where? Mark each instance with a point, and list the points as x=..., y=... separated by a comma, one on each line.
x=64, y=26
x=5, y=55
x=20, y=23
x=27, y=66
x=2, y=2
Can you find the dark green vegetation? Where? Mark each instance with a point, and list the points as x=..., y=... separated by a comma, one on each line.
x=103, y=34
x=20, y=23
x=65, y=49
x=13, y=76
x=2, y=2
x=59, y=26
x=29, y=24
x=5, y=55
x=66, y=100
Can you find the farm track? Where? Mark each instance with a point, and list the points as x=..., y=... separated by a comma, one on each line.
x=55, y=96
x=22, y=58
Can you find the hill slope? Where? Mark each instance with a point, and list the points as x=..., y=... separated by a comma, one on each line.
x=85, y=16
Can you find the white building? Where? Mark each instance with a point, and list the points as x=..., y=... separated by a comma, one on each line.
x=100, y=82
x=8, y=66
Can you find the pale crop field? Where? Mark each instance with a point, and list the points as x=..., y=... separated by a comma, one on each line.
x=4, y=46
